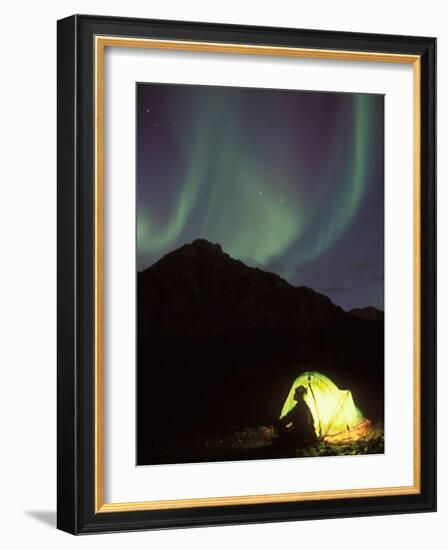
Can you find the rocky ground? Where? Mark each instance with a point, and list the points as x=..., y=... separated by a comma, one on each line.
x=263, y=443
x=372, y=442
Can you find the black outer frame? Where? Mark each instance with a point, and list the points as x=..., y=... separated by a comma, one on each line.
x=75, y=403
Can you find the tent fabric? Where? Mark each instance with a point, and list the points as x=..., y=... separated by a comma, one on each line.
x=333, y=410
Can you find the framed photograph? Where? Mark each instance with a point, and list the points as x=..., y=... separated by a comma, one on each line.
x=246, y=274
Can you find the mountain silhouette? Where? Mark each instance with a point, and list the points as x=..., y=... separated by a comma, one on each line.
x=368, y=313
x=219, y=343
x=200, y=290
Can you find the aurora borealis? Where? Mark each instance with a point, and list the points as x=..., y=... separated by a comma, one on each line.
x=290, y=181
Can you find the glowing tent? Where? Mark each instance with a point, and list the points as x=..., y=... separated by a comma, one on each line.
x=333, y=410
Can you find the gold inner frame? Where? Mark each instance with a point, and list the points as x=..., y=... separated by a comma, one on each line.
x=101, y=42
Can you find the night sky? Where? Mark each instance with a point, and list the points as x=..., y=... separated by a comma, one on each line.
x=289, y=181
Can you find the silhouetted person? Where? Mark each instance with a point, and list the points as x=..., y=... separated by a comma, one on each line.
x=297, y=427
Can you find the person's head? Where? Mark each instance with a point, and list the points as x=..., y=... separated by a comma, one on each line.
x=299, y=393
